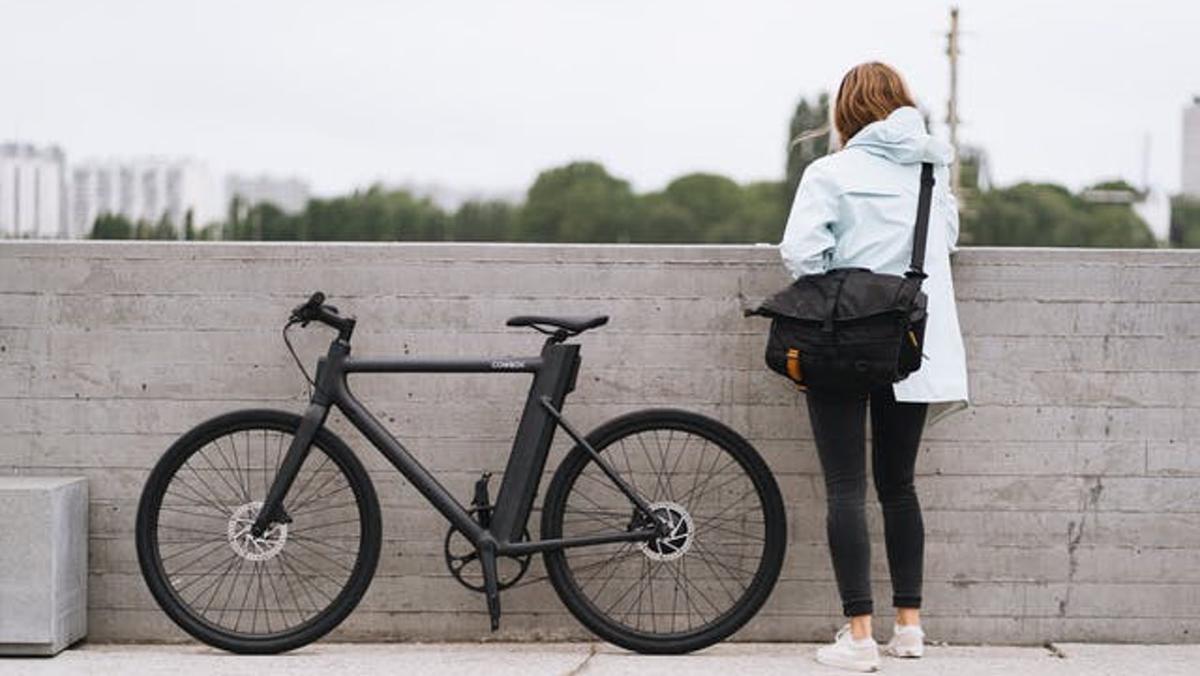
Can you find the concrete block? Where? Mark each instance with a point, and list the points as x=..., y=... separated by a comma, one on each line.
x=43, y=564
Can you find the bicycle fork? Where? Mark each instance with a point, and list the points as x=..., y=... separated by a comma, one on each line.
x=272, y=508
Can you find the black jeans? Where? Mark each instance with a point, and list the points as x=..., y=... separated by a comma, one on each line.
x=838, y=424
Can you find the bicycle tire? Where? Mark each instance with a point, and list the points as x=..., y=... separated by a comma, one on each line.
x=203, y=514
x=567, y=578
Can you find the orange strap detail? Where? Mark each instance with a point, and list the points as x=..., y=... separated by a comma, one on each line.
x=793, y=365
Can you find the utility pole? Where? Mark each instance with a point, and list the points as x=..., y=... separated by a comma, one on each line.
x=952, y=104
x=1146, y=163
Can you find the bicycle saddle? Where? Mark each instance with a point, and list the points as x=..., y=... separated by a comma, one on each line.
x=574, y=325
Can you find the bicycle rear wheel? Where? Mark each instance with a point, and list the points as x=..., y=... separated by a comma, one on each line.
x=256, y=594
x=710, y=575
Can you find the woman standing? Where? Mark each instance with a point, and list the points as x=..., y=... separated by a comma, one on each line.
x=857, y=207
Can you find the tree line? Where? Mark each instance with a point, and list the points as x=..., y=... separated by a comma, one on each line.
x=583, y=202
x=578, y=202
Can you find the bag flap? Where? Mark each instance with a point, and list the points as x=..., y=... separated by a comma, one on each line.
x=860, y=293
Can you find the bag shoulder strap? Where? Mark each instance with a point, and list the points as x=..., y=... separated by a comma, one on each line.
x=922, y=227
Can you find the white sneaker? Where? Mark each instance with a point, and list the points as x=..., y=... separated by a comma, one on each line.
x=908, y=640
x=848, y=652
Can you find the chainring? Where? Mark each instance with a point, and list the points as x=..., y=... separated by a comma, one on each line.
x=462, y=559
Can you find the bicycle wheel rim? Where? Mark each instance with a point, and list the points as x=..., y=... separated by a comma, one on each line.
x=757, y=580
x=181, y=602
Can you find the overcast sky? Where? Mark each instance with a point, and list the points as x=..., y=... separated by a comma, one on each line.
x=483, y=95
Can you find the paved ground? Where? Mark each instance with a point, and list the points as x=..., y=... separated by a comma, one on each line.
x=730, y=659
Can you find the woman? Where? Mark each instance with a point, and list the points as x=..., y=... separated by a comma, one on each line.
x=857, y=207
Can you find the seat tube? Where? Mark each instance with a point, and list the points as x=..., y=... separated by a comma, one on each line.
x=535, y=433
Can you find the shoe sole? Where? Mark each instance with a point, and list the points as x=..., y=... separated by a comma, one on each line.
x=904, y=652
x=855, y=666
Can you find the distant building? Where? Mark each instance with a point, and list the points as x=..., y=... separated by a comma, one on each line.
x=33, y=191
x=144, y=189
x=289, y=194
x=1191, y=149
x=1155, y=209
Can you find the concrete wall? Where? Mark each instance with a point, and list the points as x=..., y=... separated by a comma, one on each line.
x=1062, y=506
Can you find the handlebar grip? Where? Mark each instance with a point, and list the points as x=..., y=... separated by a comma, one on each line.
x=310, y=309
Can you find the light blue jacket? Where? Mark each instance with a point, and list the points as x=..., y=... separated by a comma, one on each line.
x=857, y=207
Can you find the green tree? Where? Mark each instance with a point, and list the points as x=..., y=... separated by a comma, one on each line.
x=711, y=199
x=143, y=229
x=232, y=228
x=210, y=232
x=1185, y=222
x=164, y=229
x=268, y=222
x=763, y=212
x=807, y=117
x=579, y=202
x=661, y=220
x=111, y=226
x=712, y=208
x=375, y=214
x=189, y=225
x=483, y=221
x=1042, y=214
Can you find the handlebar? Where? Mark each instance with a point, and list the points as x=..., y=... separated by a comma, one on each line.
x=315, y=310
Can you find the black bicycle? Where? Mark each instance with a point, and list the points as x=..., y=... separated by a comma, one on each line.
x=663, y=531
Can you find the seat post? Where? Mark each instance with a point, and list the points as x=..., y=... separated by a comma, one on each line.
x=558, y=336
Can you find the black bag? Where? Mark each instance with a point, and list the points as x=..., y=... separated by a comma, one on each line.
x=850, y=330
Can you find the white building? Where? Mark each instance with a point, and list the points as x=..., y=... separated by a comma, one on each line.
x=33, y=191
x=1191, y=149
x=144, y=189
x=1155, y=209
x=288, y=194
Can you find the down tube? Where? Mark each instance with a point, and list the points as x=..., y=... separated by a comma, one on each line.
x=414, y=471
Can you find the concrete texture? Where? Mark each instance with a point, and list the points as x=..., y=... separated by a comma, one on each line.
x=43, y=564
x=1061, y=506
x=579, y=659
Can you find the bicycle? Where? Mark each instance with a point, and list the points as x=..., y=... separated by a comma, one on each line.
x=258, y=531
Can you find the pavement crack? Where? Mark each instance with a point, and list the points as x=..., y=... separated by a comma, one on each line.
x=579, y=668
x=1055, y=651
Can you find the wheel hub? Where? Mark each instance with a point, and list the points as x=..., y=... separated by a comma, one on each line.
x=243, y=542
x=680, y=532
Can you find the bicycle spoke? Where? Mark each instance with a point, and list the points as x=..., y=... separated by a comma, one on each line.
x=224, y=575
x=717, y=523
x=243, y=477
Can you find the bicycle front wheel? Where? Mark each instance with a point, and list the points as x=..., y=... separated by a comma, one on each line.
x=250, y=594
x=712, y=572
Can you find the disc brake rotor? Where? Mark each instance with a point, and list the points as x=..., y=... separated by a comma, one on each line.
x=243, y=542
x=680, y=532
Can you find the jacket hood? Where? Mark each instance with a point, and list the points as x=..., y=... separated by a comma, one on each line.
x=901, y=137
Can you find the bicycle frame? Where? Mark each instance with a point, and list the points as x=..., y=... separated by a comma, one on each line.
x=554, y=370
